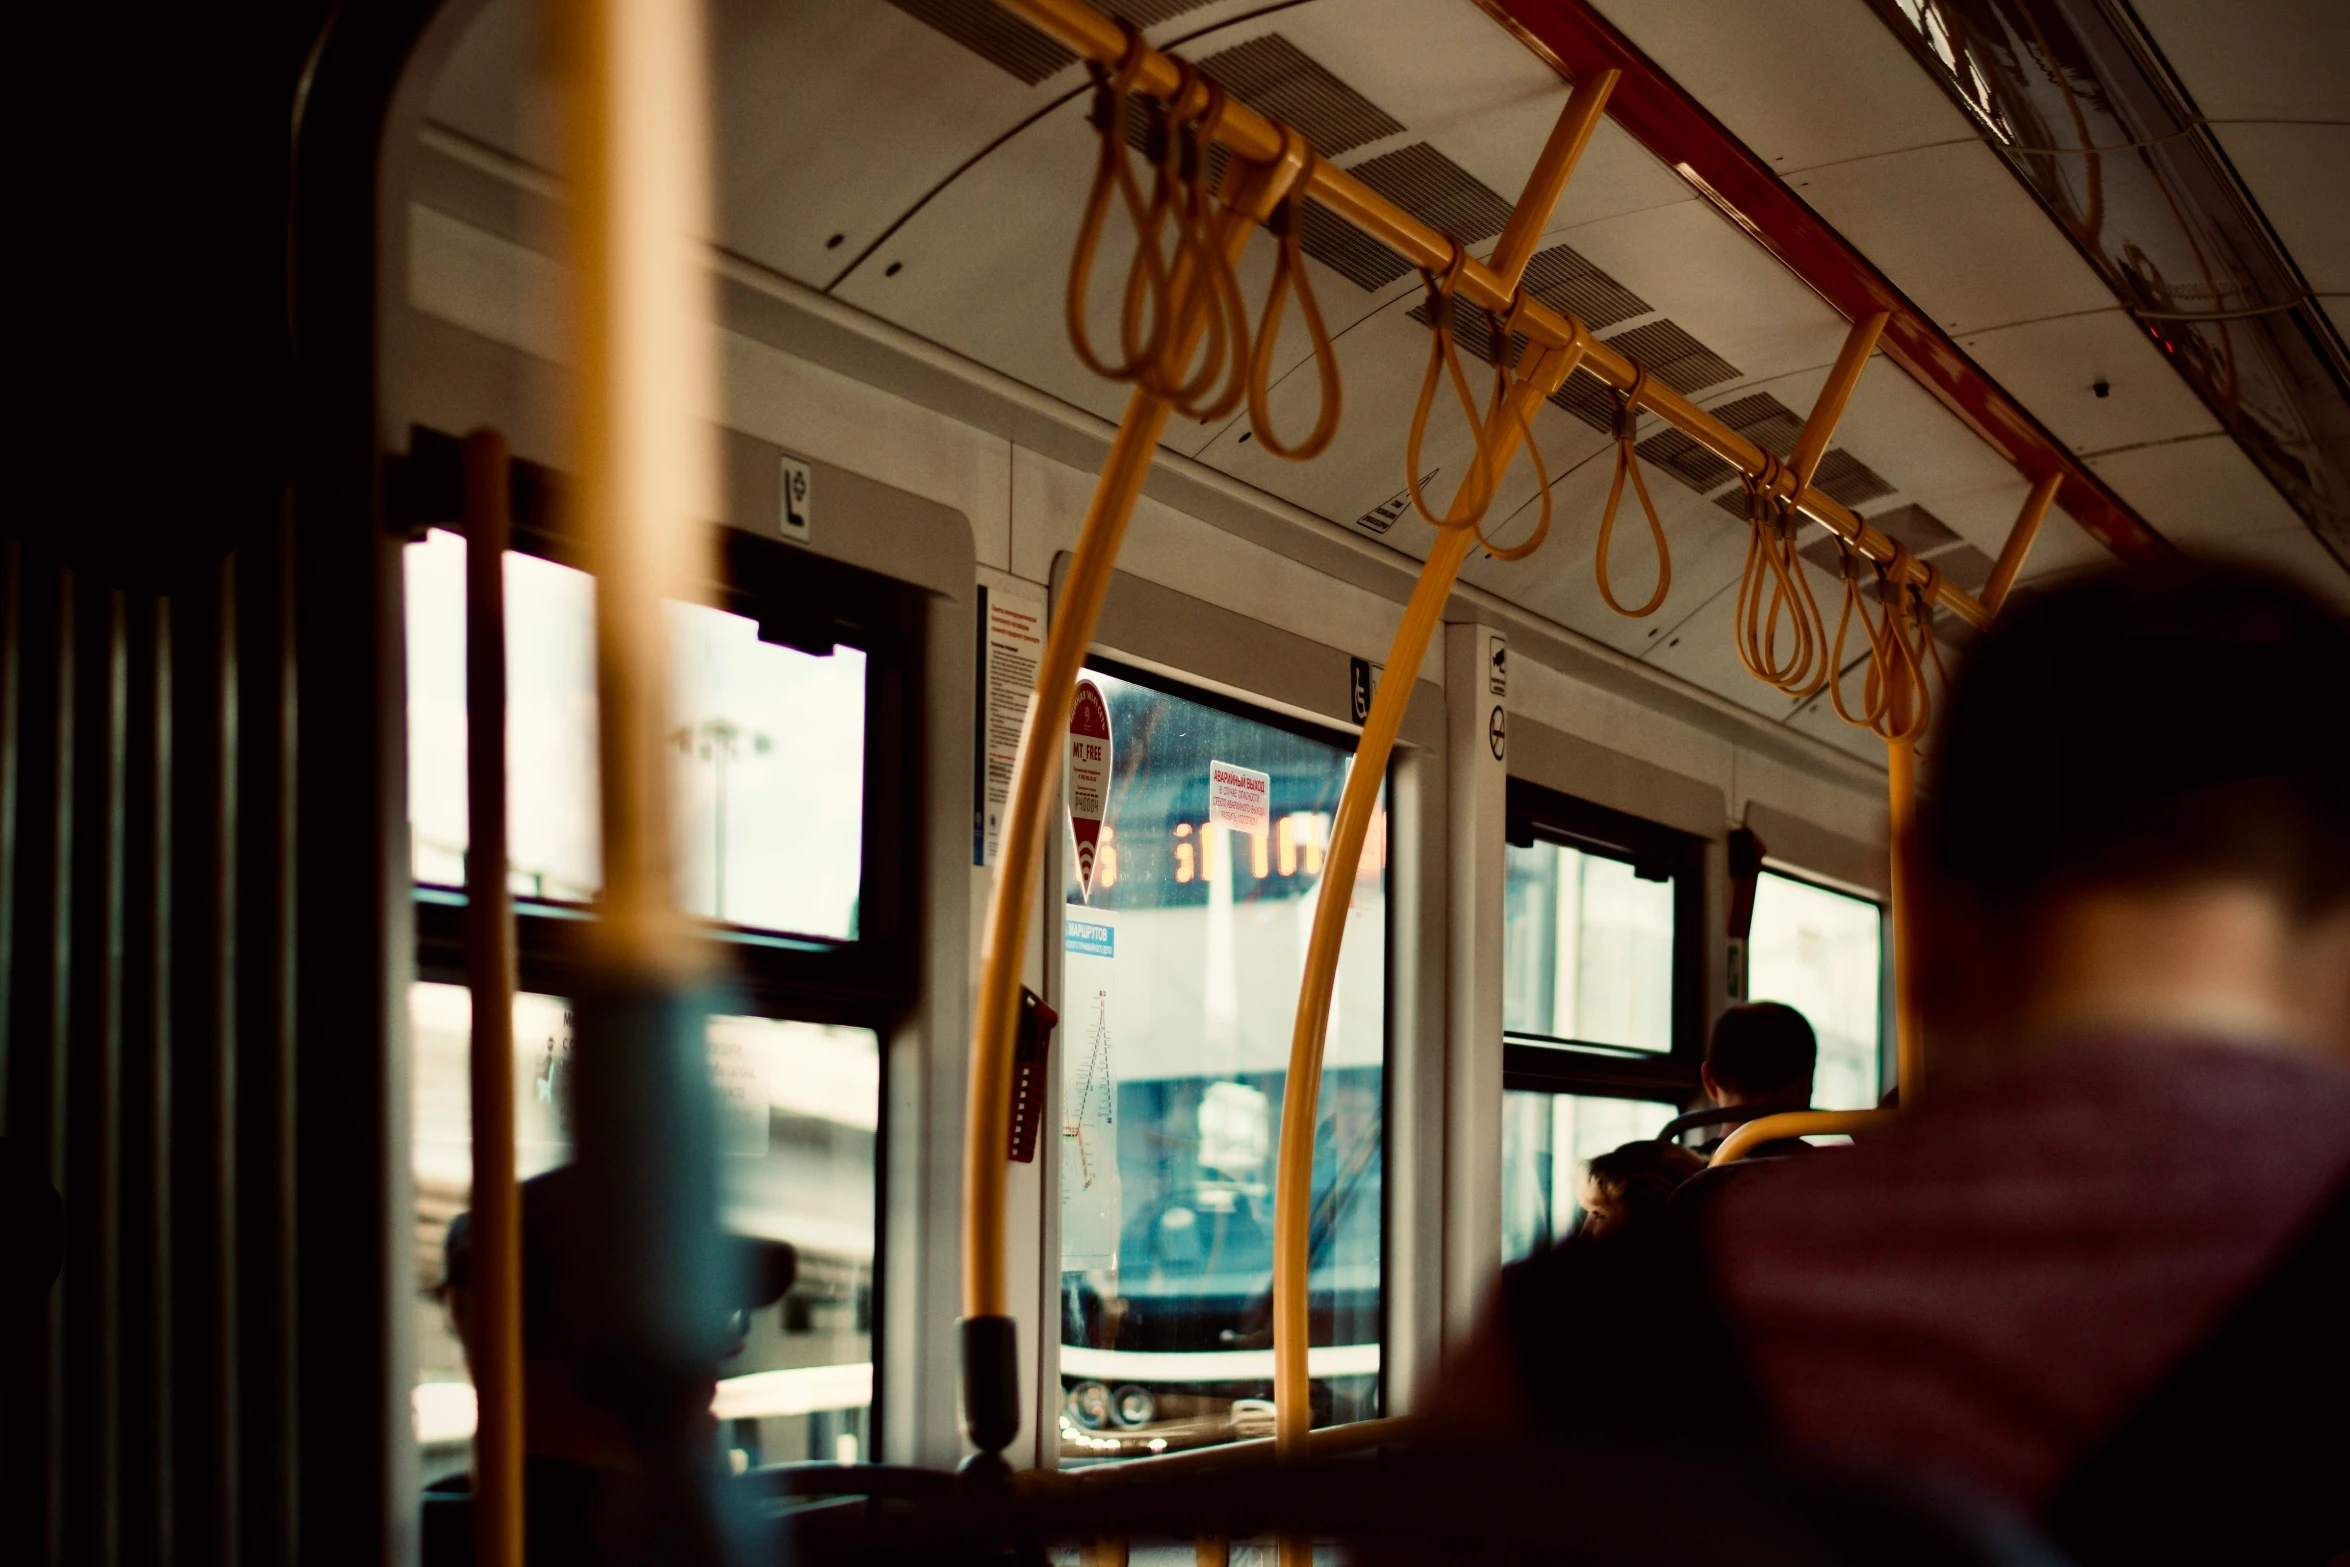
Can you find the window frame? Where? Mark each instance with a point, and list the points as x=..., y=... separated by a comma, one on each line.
x=1530, y=1063
x=1887, y=1048
x=800, y=599
x=871, y=981
x=1339, y=737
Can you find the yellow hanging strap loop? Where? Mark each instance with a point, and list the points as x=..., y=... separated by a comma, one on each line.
x=1773, y=593
x=1872, y=709
x=1812, y=624
x=1203, y=284
x=1905, y=696
x=1289, y=276
x=1476, y=491
x=1114, y=180
x=1504, y=331
x=1628, y=463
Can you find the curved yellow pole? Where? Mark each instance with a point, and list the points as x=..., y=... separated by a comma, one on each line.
x=1293, y=1183
x=1035, y=774
x=1795, y=1123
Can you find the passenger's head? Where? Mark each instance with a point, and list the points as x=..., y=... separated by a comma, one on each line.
x=552, y=1330
x=1761, y=1052
x=2140, y=817
x=1631, y=1184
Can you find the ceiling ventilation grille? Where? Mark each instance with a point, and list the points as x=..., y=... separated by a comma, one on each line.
x=1426, y=184
x=1674, y=357
x=1472, y=330
x=1564, y=279
x=1764, y=420
x=1848, y=479
x=1687, y=461
x=1585, y=398
x=1924, y=535
x=1276, y=78
x=1003, y=40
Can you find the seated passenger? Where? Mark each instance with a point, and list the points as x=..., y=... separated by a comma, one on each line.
x=1761, y=1057
x=1631, y=1185
x=573, y=1445
x=2097, y=1277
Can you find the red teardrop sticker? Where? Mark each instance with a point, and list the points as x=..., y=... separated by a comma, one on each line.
x=1089, y=778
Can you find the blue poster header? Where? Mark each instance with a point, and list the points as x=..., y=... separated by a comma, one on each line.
x=1089, y=939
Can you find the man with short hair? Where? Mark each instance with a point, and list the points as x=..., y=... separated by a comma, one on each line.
x=1760, y=1058
x=1761, y=1053
x=2097, y=1277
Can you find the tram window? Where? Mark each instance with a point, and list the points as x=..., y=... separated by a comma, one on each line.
x=800, y=1108
x=1587, y=950
x=768, y=748
x=1821, y=952
x=1181, y=969
x=1545, y=1141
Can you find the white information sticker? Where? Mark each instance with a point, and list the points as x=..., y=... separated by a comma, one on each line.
x=1011, y=640
x=1240, y=798
x=797, y=486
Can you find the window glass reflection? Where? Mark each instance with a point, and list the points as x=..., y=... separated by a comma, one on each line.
x=800, y=1104
x=767, y=746
x=1587, y=950
x=1546, y=1139
x=1180, y=979
x=1821, y=953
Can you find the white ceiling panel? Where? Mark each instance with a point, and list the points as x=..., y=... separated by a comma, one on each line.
x=1764, y=68
x=1718, y=285
x=2063, y=546
x=1902, y=431
x=2300, y=175
x=2197, y=492
x=2256, y=59
x=1954, y=231
x=2054, y=368
x=1819, y=719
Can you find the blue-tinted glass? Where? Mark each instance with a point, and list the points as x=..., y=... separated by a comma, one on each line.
x=1181, y=973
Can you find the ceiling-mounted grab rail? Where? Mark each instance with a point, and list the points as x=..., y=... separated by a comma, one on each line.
x=1252, y=136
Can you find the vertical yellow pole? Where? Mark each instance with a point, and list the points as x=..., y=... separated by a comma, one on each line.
x=1812, y=444
x=494, y=1293
x=1909, y=1037
x=990, y=1394
x=1293, y=1182
x=2019, y=541
x=644, y=394
x=1560, y=154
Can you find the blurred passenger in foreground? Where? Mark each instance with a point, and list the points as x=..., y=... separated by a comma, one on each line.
x=2098, y=1277
x=1760, y=1059
x=573, y=1443
x=1632, y=1184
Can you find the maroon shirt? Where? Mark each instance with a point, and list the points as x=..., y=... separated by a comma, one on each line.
x=1985, y=1291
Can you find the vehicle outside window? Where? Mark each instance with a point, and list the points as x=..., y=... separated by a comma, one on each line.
x=1181, y=966
x=800, y=1106
x=1546, y=1139
x=1587, y=950
x=1822, y=952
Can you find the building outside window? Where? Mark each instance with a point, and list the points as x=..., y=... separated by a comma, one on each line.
x=1822, y=952
x=1181, y=964
x=769, y=744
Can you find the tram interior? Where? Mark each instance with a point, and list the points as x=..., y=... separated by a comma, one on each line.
x=2004, y=298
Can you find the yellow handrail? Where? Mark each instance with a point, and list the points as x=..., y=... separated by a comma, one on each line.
x=494, y=1288
x=1795, y=1123
x=1252, y=136
x=1035, y=774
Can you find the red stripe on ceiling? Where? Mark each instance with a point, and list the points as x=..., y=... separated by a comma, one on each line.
x=1654, y=110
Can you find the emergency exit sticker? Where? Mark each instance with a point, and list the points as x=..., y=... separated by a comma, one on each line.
x=1240, y=798
x=1089, y=778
